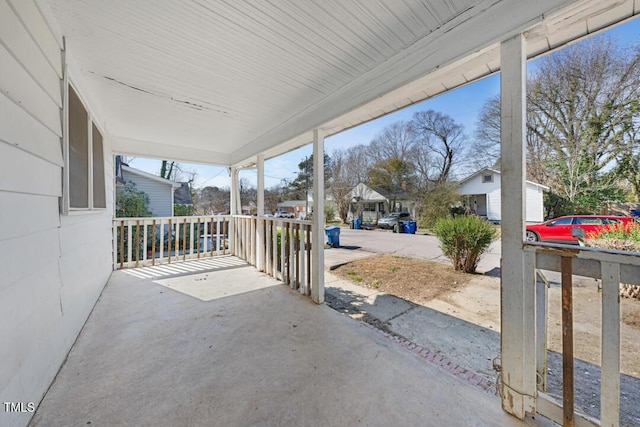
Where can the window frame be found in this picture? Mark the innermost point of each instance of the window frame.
(66, 208)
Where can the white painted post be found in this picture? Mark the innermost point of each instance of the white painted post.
(317, 239)
(260, 234)
(610, 348)
(517, 294)
(233, 206)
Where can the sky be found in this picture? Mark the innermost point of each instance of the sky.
(462, 104)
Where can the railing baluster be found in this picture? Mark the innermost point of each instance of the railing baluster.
(170, 235)
(184, 239)
(308, 259)
(542, 305)
(198, 237)
(129, 243)
(144, 241)
(122, 244)
(137, 242)
(153, 243)
(567, 342)
(610, 349)
(297, 254)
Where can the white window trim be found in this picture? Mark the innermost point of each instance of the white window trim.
(66, 188)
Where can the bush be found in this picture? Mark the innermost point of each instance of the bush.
(464, 239)
(130, 202)
(621, 237)
(436, 204)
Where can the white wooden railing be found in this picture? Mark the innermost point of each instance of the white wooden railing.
(612, 267)
(141, 242)
(279, 247)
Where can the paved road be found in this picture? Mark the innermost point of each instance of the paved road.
(412, 245)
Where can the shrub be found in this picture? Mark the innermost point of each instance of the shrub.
(437, 203)
(620, 237)
(464, 239)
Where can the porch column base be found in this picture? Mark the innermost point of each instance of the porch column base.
(516, 403)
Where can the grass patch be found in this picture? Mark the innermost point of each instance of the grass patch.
(420, 281)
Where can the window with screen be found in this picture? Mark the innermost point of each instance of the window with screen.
(99, 196)
(85, 184)
(78, 152)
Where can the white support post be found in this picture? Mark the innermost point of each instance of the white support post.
(517, 295)
(317, 239)
(234, 195)
(260, 235)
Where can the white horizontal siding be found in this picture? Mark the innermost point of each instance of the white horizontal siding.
(494, 206)
(27, 133)
(534, 204)
(40, 32)
(21, 88)
(33, 214)
(53, 267)
(160, 195)
(24, 173)
(24, 48)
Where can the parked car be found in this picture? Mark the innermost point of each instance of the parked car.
(284, 214)
(391, 221)
(558, 230)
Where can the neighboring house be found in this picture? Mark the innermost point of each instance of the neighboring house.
(297, 207)
(372, 204)
(159, 190)
(482, 194)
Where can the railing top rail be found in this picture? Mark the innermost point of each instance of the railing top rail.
(583, 252)
(166, 218)
(294, 221)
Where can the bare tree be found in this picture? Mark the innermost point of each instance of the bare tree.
(444, 141)
(581, 99)
(393, 141)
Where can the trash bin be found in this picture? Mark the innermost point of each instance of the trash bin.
(399, 227)
(409, 227)
(357, 224)
(333, 235)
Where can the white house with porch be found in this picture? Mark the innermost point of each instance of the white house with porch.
(233, 84)
(482, 194)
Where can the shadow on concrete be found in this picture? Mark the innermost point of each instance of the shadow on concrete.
(350, 248)
(587, 389)
(474, 347)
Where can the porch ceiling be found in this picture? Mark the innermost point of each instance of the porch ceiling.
(221, 81)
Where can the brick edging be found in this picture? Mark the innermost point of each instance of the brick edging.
(439, 360)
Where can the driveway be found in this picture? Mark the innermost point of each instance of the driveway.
(412, 245)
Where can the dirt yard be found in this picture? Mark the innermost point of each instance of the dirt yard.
(476, 298)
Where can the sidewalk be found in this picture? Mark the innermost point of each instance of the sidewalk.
(457, 346)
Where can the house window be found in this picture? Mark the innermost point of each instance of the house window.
(85, 159)
(487, 178)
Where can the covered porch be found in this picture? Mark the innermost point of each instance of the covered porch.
(231, 347)
(232, 84)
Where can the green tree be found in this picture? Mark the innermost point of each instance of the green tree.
(394, 176)
(131, 203)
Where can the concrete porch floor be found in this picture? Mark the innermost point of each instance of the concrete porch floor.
(233, 347)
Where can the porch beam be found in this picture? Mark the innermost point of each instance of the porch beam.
(259, 242)
(317, 238)
(517, 295)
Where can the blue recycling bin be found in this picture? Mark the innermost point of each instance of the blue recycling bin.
(409, 227)
(357, 223)
(635, 212)
(333, 235)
